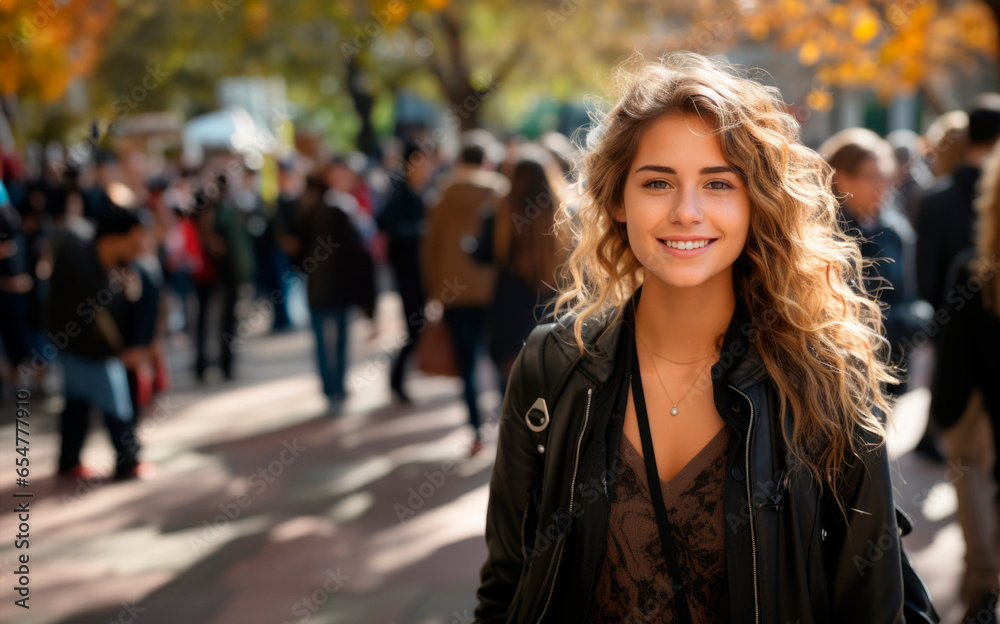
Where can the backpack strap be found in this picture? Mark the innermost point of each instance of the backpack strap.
(533, 368)
(537, 364)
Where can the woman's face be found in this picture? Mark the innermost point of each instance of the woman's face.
(686, 211)
(865, 188)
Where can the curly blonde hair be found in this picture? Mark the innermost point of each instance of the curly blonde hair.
(823, 344)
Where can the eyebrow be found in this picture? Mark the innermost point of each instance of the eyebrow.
(671, 170)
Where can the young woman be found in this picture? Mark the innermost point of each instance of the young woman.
(714, 341)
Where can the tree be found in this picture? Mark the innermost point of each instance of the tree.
(890, 46)
(51, 43)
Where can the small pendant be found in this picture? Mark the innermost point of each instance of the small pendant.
(673, 411)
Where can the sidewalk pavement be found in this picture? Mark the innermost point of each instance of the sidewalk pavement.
(266, 510)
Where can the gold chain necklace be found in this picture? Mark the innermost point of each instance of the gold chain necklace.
(673, 410)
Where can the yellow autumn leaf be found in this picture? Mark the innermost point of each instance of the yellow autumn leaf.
(809, 53)
(865, 26)
(819, 100)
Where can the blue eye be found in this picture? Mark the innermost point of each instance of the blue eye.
(656, 184)
(724, 185)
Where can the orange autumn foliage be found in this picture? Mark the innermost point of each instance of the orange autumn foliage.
(50, 43)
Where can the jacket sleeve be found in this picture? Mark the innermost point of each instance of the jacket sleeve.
(929, 278)
(514, 474)
(954, 376)
(430, 255)
(863, 552)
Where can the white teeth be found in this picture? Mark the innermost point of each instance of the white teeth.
(686, 245)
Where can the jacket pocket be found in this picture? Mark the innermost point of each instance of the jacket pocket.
(529, 523)
(541, 604)
(529, 528)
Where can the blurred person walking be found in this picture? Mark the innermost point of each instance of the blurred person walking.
(262, 224)
(291, 185)
(144, 326)
(864, 168)
(465, 287)
(339, 272)
(402, 219)
(965, 397)
(348, 190)
(947, 138)
(25, 265)
(85, 319)
(518, 240)
(226, 244)
(16, 285)
(915, 175)
(945, 216)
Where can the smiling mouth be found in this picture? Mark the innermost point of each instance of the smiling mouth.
(687, 245)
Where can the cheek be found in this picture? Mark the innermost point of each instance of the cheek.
(737, 223)
(640, 219)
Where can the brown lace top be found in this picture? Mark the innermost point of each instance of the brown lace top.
(634, 585)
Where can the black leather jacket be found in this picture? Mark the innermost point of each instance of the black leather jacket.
(791, 555)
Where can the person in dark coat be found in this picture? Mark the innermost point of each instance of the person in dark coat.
(86, 314)
(227, 245)
(945, 216)
(15, 286)
(965, 397)
(865, 167)
(402, 219)
(339, 273)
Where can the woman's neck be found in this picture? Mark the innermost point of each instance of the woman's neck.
(684, 324)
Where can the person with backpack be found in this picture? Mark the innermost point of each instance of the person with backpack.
(450, 275)
(698, 437)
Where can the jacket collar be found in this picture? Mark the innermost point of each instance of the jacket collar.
(738, 364)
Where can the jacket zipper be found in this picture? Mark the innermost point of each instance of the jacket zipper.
(753, 532)
(572, 491)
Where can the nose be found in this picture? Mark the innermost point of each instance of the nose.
(685, 209)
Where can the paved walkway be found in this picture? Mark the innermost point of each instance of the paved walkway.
(265, 510)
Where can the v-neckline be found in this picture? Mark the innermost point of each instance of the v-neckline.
(697, 460)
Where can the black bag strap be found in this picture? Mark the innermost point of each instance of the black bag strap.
(656, 494)
(535, 363)
(533, 367)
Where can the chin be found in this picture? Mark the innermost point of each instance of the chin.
(688, 277)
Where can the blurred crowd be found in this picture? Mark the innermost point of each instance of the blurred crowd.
(103, 258)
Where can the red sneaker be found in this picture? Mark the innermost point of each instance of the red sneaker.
(477, 445)
(79, 471)
(141, 471)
